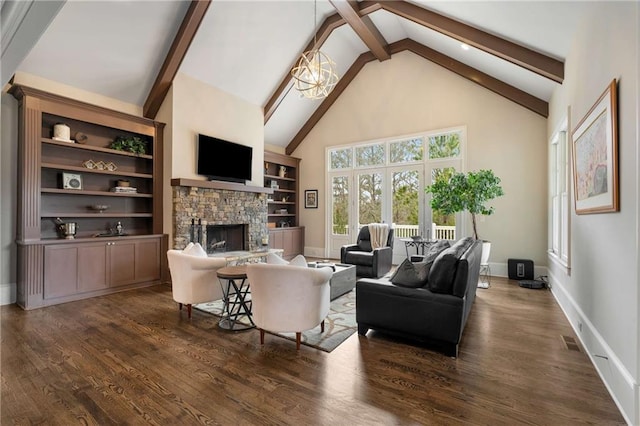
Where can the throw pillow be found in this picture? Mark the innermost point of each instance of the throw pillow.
(412, 275)
(443, 270)
(274, 259)
(299, 260)
(195, 250)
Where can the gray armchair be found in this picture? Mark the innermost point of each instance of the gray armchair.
(372, 263)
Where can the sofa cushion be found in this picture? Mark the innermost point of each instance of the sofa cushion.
(359, 258)
(412, 275)
(443, 270)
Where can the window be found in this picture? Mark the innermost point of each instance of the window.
(383, 181)
(559, 196)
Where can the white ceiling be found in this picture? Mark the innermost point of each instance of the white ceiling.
(116, 48)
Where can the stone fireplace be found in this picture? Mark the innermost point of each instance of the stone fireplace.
(238, 218)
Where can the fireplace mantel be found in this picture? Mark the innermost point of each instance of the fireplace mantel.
(212, 184)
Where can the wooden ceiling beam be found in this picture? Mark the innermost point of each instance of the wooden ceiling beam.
(499, 87)
(536, 62)
(505, 90)
(363, 27)
(331, 23)
(176, 54)
(355, 68)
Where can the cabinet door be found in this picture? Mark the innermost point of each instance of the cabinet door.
(276, 240)
(289, 251)
(92, 267)
(121, 263)
(60, 271)
(298, 241)
(147, 260)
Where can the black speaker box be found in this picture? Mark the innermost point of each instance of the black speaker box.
(520, 269)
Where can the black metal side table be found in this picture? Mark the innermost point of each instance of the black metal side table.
(237, 301)
(420, 245)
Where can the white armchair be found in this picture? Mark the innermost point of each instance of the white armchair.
(194, 277)
(287, 298)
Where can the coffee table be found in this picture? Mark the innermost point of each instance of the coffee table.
(343, 280)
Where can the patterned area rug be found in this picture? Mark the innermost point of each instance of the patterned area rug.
(339, 325)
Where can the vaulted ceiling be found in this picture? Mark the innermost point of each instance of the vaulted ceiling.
(130, 50)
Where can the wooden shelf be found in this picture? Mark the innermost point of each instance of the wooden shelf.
(95, 148)
(94, 215)
(279, 178)
(98, 193)
(213, 184)
(291, 191)
(291, 203)
(57, 270)
(103, 172)
(281, 214)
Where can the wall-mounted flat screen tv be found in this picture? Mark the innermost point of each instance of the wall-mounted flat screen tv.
(219, 159)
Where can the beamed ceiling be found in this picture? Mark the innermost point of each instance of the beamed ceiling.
(132, 50)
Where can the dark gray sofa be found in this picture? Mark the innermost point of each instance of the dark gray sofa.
(435, 317)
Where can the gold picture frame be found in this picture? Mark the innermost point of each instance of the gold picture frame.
(595, 156)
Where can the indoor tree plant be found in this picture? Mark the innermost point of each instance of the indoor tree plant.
(458, 192)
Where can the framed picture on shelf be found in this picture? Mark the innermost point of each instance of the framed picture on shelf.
(595, 156)
(311, 199)
(71, 181)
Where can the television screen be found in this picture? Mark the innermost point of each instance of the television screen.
(223, 160)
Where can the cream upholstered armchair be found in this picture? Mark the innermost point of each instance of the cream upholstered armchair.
(194, 276)
(288, 298)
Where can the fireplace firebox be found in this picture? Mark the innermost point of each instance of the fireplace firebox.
(221, 238)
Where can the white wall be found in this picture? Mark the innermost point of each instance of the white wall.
(601, 295)
(409, 94)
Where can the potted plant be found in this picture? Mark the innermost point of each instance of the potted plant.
(132, 144)
(458, 192)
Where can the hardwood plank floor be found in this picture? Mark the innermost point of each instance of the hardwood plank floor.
(132, 358)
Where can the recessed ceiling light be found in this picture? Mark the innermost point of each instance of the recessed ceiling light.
(464, 46)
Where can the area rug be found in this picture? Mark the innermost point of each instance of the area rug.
(339, 325)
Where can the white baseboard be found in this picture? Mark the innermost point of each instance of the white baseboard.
(620, 383)
(502, 270)
(7, 294)
(314, 251)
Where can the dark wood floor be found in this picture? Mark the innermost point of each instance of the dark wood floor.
(131, 358)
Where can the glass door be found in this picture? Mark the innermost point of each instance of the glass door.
(339, 233)
(442, 227)
(407, 207)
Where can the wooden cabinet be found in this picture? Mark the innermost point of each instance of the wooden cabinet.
(281, 174)
(290, 240)
(134, 261)
(74, 270)
(80, 180)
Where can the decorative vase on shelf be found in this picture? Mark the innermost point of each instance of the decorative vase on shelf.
(283, 171)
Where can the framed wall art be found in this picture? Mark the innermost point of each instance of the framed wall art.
(311, 199)
(595, 156)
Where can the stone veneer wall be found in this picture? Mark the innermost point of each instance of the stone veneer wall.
(218, 207)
